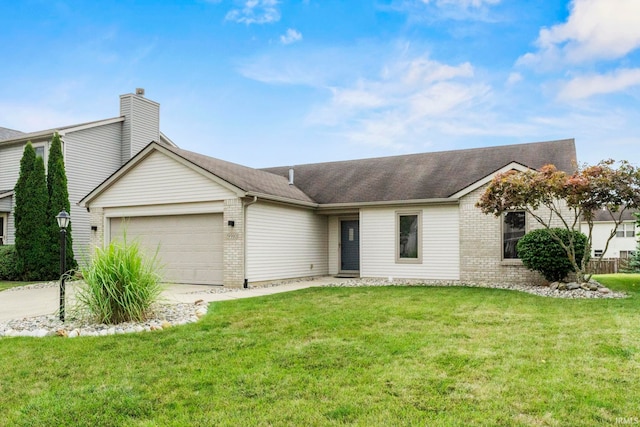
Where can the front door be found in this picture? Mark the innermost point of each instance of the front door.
(350, 246)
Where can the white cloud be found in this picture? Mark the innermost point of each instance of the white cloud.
(402, 103)
(430, 10)
(594, 30)
(291, 36)
(463, 3)
(255, 12)
(585, 86)
(514, 78)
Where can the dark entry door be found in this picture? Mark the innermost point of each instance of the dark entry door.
(350, 245)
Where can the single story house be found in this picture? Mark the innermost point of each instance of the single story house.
(409, 216)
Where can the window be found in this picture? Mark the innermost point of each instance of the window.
(626, 229)
(41, 151)
(627, 254)
(597, 253)
(513, 229)
(409, 237)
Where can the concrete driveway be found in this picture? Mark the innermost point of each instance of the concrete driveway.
(18, 303)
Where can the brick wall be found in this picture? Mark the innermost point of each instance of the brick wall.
(481, 247)
(233, 245)
(96, 238)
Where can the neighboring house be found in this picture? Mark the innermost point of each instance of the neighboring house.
(625, 241)
(92, 152)
(410, 216)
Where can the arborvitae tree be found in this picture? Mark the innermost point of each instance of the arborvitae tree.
(58, 200)
(31, 222)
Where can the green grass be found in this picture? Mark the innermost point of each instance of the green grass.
(346, 356)
(7, 285)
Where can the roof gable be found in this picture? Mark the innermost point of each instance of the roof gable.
(240, 180)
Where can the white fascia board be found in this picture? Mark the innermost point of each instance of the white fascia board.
(487, 179)
(61, 131)
(164, 138)
(84, 126)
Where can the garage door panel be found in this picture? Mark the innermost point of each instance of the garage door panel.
(189, 246)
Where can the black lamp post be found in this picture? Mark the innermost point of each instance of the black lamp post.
(63, 219)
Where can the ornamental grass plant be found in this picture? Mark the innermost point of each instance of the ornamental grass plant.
(121, 283)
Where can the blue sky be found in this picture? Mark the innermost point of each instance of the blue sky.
(269, 83)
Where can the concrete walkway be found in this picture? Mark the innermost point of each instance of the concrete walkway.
(21, 303)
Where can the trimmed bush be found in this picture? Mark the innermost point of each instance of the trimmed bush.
(8, 263)
(120, 284)
(541, 252)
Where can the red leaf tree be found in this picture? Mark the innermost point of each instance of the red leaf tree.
(558, 199)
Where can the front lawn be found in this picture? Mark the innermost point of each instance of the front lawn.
(7, 285)
(345, 356)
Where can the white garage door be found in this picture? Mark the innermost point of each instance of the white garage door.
(189, 246)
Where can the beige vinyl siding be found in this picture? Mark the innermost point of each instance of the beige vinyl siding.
(10, 165)
(10, 157)
(440, 244)
(90, 156)
(161, 180)
(6, 204)
(141, 125)
(9, 171)
(334, 245)
(284, 242)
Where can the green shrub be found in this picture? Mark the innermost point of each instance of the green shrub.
(541, 252)
(120, 284)
(8, 263)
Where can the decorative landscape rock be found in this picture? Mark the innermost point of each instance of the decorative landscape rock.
(169, 315)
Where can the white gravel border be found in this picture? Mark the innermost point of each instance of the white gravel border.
(168, 315)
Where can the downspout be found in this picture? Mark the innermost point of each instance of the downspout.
(244, 244)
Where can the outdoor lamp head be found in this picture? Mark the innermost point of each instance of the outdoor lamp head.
(63, 219)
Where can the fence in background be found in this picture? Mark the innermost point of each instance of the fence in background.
(608, 265)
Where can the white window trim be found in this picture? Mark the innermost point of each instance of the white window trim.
(626, 228)
(45, 154)
(417, 260)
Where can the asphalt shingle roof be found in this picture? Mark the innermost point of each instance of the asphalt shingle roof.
(6, 133)
(243, 177)
(604, 215)
(420, 176)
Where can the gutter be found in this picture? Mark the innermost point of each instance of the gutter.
(281, 199)
(327, 207)
(245, 205)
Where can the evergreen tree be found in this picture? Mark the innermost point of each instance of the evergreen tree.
(58, 196)
(30, 216)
